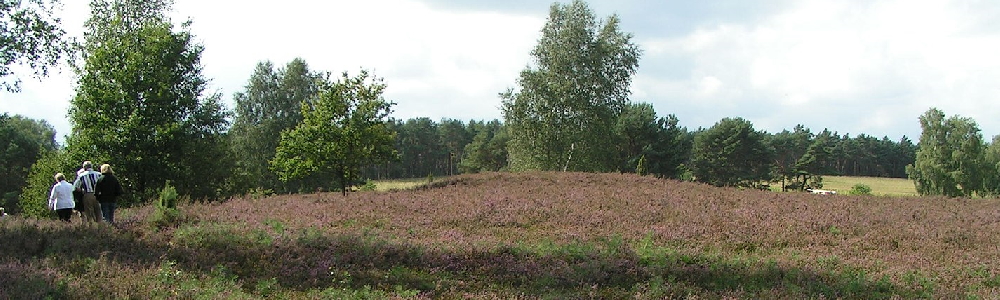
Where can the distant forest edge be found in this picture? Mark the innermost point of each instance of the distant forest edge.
(141, 105)
(450, 147)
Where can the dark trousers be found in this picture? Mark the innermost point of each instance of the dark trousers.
(108, 211)
(64, 214)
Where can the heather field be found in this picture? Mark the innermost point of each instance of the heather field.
(520, 236)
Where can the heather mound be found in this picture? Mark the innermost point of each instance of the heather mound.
(520, 235)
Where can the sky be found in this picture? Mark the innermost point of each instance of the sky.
(853, 67)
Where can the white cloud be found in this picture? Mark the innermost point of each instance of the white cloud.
(873, 68)
(436, 63)
(709, 86)
(852, 66)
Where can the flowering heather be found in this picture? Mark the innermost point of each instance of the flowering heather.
(521, 236)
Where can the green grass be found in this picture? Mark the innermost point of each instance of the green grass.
(402, 184)
(880, 186)
(398, 184)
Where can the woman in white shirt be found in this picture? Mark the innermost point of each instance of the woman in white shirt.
(61, 198)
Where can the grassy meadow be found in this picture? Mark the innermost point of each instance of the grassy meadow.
(520, 236)
(880, 186)
(401, 184)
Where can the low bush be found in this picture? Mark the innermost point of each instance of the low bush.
(860, 189)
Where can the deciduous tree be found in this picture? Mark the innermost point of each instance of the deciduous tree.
(31, 34)
(139, 102)
(991, 168)
(568, 101)
(40, 180)
(270, 103)
(950, 156)
(345, 129)
(23, 141)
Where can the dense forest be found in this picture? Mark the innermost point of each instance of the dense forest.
(449, 146)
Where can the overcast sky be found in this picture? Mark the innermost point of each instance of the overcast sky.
(869, 67)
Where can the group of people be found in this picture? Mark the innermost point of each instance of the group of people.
(92, 194)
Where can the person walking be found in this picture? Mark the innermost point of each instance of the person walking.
(107, 190)
(61, 198)
(86, 181)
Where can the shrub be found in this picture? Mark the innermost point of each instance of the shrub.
(259, 193)
(166, 213)
(165, 217)
(860, 189)
(640, 167)
(33, 198)
(168, 196)
(368, 186)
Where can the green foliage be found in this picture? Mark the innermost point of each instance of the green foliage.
(487, 152)
(166, 213)
(636, 129)
(367, 292)
(168, 196)
(815, 161)
(426, 146)
(418, 145)
(640, 167)
(164, 217)
(950, 157)
(860, 189)
(731, 153)
(658, 141)
(139, 103)
(368, 186)
(789, 147)
(991, 168)
(270, 103)
(257, 193)
(267, 288)
(453, 138)
(31, 35)
(345, 129)
(220, 237)
(685, 173)
(566, 106)
(172, 281)
(34, 197)
(22, 143)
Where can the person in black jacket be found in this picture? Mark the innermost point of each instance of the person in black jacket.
(107, 191)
